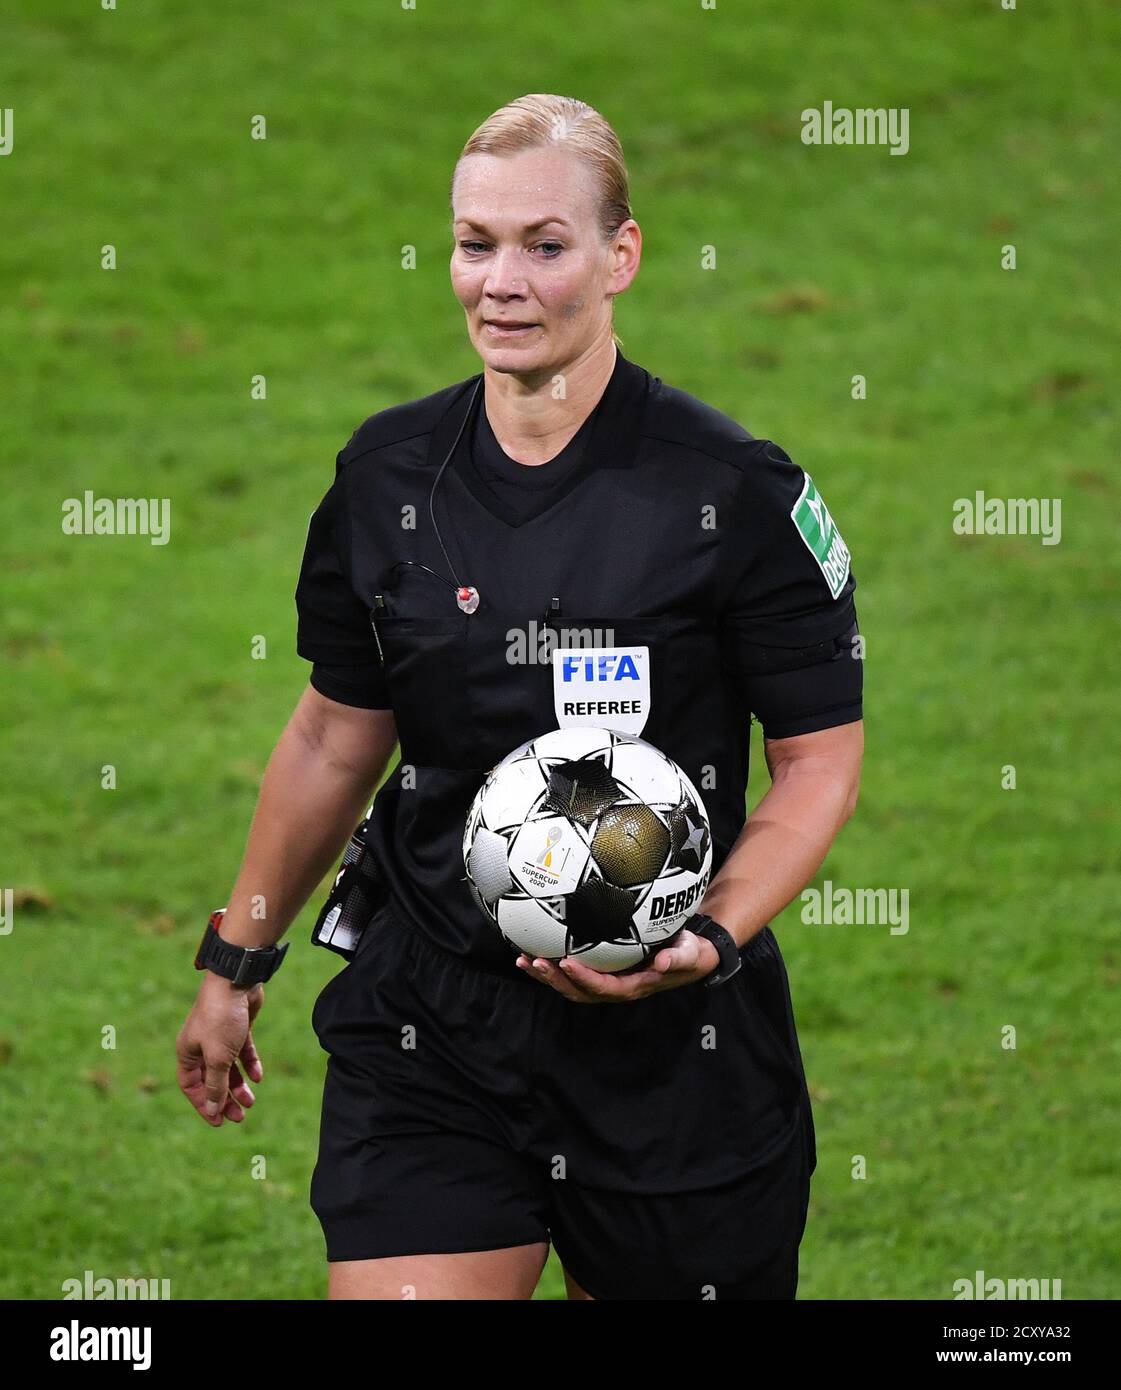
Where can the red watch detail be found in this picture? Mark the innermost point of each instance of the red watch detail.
(215, 921)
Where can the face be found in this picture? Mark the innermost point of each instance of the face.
(530, 266)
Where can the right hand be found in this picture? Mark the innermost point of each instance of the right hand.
(214, 1038)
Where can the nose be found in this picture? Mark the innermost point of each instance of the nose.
(505, 278)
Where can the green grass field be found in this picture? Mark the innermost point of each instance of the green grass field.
(282, 257)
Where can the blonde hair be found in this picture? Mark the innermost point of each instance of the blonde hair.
(541, 119)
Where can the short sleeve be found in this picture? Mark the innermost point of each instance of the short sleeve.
(333, 625)
(363, 687)
(789, 617)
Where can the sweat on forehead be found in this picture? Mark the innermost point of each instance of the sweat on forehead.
(534, 172)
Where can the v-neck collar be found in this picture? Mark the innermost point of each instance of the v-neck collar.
(517, 483)
(613, 442)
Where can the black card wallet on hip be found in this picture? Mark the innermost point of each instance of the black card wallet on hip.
(358, 892)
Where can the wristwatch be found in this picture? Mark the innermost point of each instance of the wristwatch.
(701, 925)
(244, 965)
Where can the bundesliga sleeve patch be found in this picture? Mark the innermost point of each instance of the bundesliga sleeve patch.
(816, 527)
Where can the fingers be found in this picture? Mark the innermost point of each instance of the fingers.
(672, 966)
(216, 1088)
(188, 1062)
(250, 1059)
(240, 1089)
(225, 1094)
(546, 973)
(689, 958)
(191, 1073)
(674, 958)
(596, 984)
(682, 955)
(580, 983)
(195, 1089)
(233, 1111)
(209, 1048)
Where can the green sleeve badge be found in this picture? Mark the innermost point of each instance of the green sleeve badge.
(816, 527)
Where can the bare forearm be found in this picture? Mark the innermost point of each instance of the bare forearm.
(781, 847)
(310, 801)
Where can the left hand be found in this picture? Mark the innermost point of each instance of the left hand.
(686, 959)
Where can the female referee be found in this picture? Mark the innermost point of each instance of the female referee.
(654, 1125)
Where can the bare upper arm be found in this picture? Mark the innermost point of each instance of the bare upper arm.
(835, 752)
(361, 740)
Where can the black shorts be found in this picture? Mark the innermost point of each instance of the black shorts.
(664, 1146)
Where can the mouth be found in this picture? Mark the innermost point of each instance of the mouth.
(508, 328)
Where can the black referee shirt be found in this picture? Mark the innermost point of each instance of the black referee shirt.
(518, 489)
(663, 527)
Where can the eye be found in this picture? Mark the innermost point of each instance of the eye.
(472, 247)
(552, 254)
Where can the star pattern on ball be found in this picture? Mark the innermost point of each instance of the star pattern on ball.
(586, 842)
(689, 836)
(582, 790)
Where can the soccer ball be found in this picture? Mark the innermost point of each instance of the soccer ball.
(588, 843)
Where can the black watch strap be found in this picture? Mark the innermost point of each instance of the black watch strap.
(244, 965)
(702, 925)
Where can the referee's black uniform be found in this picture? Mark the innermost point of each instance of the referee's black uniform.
(664, 1145)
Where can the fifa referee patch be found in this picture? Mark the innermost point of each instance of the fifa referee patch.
(816, 527)
(602, 687)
